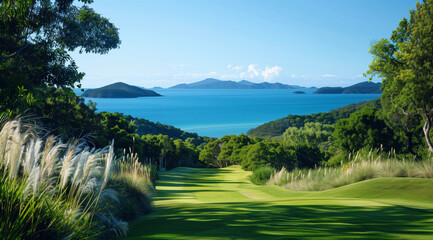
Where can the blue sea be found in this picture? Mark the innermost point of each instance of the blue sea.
(219, 112)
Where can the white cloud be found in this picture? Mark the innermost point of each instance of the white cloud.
(327, 75)
(255, 72)
(271, 72)
(236, 68)
(252, 70)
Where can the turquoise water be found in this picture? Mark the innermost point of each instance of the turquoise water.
(219, 112)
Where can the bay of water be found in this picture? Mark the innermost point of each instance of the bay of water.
(219, 112)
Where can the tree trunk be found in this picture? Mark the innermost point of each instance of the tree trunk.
(409, 136)
(426, 129)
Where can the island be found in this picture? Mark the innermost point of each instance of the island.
(119, 90)
(359, 88)
(299, 92)
(212, 83)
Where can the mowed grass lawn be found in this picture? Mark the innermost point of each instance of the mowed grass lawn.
(223, 204)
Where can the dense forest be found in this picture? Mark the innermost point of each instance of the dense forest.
(278, 127)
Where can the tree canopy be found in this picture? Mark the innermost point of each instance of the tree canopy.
(35, 39)
(405, 64)
(363, 129)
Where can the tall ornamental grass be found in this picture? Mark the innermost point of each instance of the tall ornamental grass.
(134, 183)
(55, 190)
(365, 165)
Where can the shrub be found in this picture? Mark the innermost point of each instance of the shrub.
(261, 175)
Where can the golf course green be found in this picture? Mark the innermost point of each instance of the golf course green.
(223, 204)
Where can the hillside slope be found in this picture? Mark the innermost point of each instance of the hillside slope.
(408, 190)
(145, 127)
(359, 88)
(119, 90)
(279, 126)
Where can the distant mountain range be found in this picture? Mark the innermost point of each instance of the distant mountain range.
(359, 88)
(119, 90)
(211, 83)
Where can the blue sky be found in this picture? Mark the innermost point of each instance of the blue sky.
(309, 43)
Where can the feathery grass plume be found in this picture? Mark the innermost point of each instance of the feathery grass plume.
(364, 165)
(67, 166)
(81, 159)
(134, 183)
(49, 161)
(31, 155)
(4, 135)
(32, 184)
(109, 163)
(52, 190)
(424, 169)
(14, 147)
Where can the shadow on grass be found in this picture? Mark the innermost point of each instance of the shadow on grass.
(266, 220)
(288, 219)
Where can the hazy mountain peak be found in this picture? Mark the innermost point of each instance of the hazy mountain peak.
(212, 83)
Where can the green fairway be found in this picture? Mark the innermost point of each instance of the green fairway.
(223, 204)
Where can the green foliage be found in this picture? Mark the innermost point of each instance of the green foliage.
(67, 115)
(35, 39)
(250, 153)
(258, 155)
(145, 127)
(363, 129)
(186, 154)
(311, 134)
(308, 156)
(209, 155)
(363, 88)
(278, 127)
(64, 114)
(164, 152)
(232, 146)
(261, 175)
(405, 65)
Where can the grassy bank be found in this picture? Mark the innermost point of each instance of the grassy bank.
(365, 165)
(223, 204)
